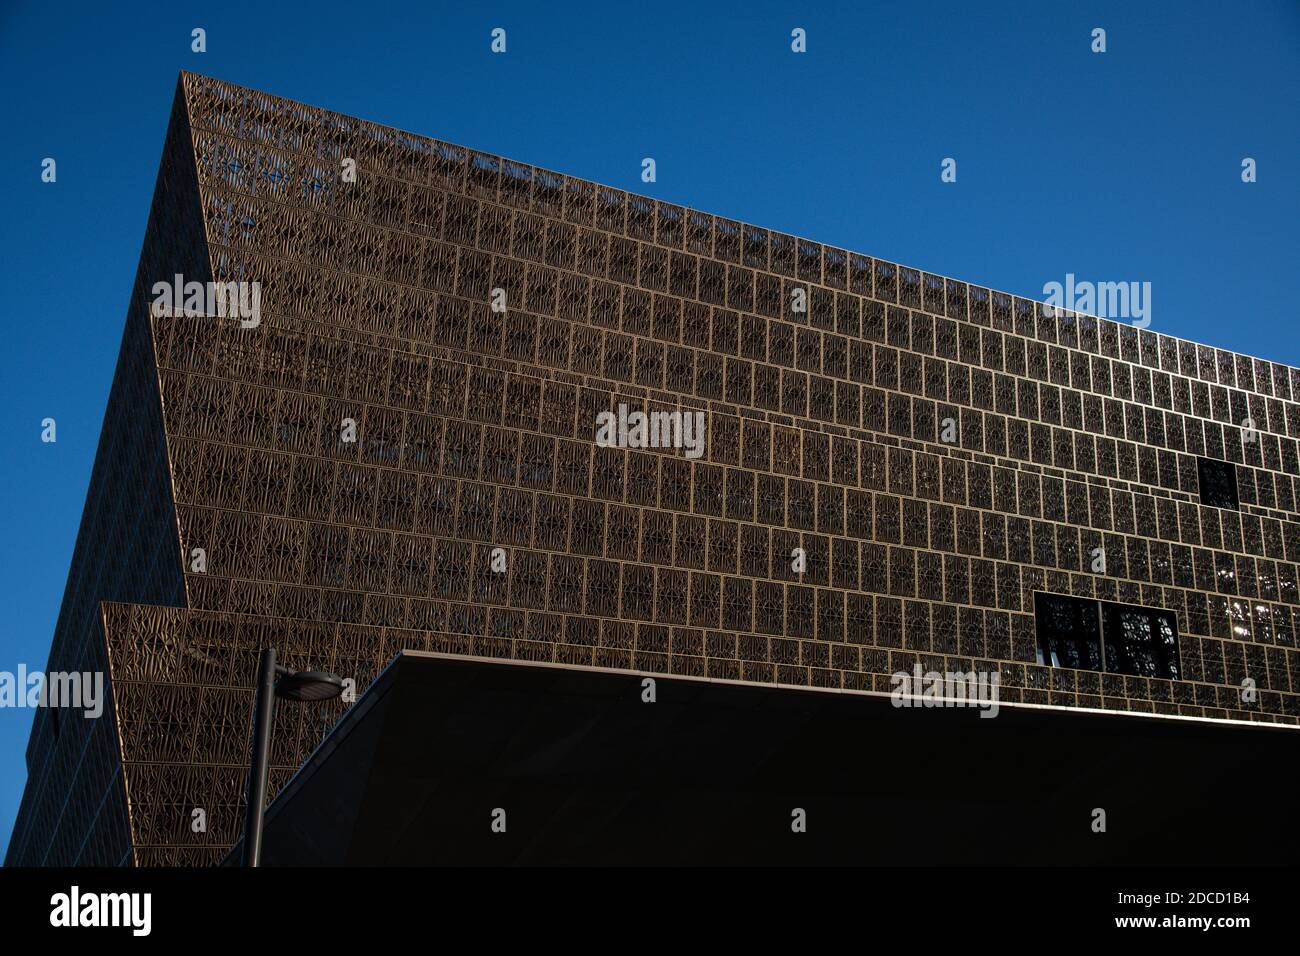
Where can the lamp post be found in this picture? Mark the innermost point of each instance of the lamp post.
(306, 686)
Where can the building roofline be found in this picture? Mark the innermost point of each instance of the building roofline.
(1123, 327)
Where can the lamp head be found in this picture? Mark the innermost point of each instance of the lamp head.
(309, 686)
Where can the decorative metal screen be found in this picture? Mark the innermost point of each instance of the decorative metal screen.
(887, 478)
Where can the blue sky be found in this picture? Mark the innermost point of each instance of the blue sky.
(1122, 166)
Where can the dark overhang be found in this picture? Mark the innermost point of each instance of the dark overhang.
(587, 771)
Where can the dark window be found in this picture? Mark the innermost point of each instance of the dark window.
(1103, 636)
(1218, 481)
(1140, 641)
(1067, 632)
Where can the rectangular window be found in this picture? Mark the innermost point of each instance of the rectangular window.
(1218, 482)
(1140, 641)
(1103, 636)
(1067, 632)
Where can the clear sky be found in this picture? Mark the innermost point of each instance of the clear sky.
(1115, 166)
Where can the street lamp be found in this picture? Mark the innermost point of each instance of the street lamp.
(308, 686)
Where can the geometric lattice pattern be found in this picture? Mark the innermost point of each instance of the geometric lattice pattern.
(476, 430)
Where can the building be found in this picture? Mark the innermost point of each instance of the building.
(451, 759)
(399, 451)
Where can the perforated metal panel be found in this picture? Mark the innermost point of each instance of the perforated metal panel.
(938, 453)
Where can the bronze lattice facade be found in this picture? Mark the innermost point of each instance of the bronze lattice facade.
(475, 429)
